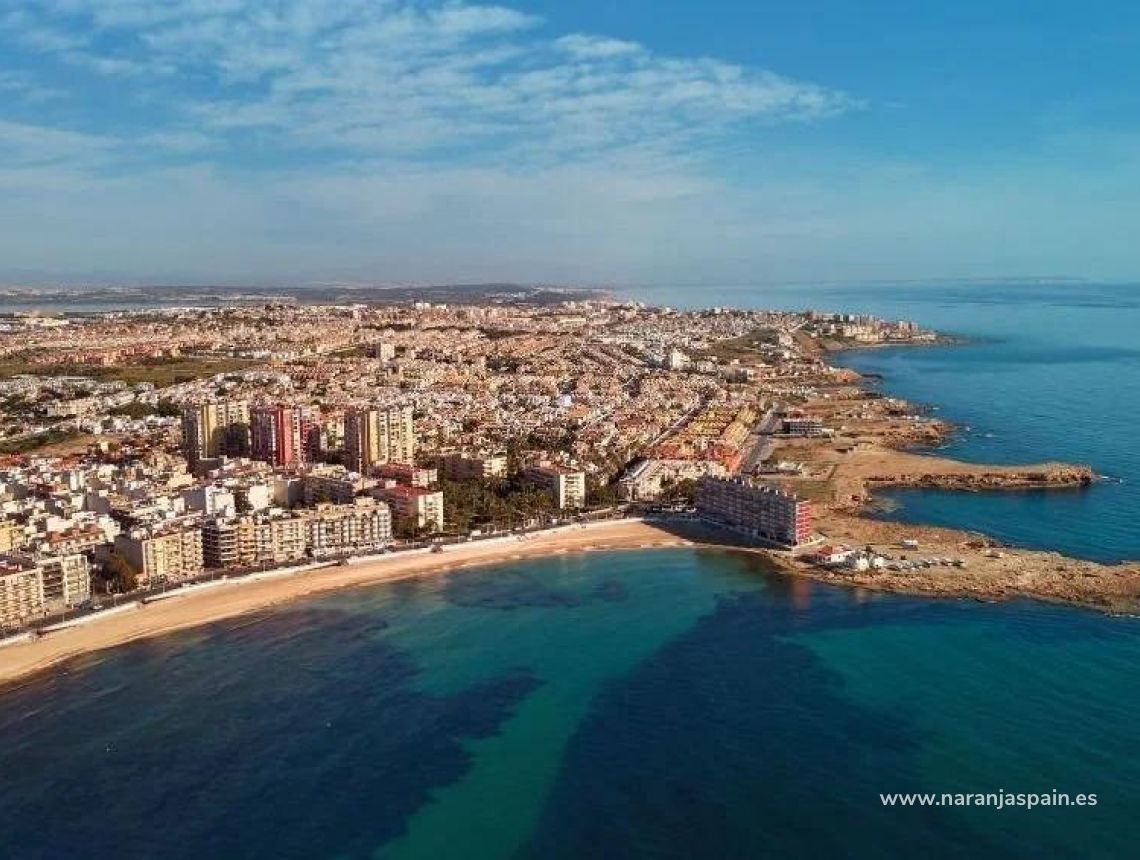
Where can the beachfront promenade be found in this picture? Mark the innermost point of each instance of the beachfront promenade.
(209, 601)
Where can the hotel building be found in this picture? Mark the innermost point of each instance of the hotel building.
(758, 510)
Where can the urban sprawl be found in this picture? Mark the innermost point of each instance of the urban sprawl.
(149, 449)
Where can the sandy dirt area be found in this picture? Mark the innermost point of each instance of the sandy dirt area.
(990, 572)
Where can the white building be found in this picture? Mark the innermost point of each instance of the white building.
(567, 485)
(423, 508)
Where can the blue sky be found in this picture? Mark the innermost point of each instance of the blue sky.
(596, 142)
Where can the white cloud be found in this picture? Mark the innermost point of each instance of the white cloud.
(22, 144)
(317, 138)
(24, 87)
(399, 77)
(587, 47)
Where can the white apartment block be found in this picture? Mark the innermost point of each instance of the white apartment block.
(333, 529)
(567, 485)
(423, 508)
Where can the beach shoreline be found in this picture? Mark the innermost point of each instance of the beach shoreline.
(991, 576)
(221, 599)
(884, 451)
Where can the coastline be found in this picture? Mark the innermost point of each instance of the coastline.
(990, 577)
(898, 448)
(992, 572)
(225, 599)
(877, 448)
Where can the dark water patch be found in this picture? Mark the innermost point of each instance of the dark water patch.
(611, 590)
(317, 742)
(734, 742)
(720, 711)
(507, 589)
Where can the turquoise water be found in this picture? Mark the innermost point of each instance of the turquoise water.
(1052, 373)
(669, 703)
(660, 703)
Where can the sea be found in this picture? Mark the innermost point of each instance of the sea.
(672, 703)
(656, 703)
(1044, 371)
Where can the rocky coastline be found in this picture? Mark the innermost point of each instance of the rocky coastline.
(894, 446)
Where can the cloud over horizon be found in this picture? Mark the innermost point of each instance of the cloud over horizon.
(395, 140)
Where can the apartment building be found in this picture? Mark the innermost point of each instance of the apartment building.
(803, 425)
(422, 508)
(30, 587)
(210, 499)
(567, 485)
(755, 509)
(405, 473)
(78, 539)
(21, 591)
(11, 536)
(250, 540)
(171, 552)
(66, 579)
(277, 434)
(469, 467)
(334, 485)
(377, 435)
(650, 478)
(385, 351)
(210, 430)
(289, 538)
(335, 529)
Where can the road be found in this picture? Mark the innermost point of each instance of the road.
(675, 426)
(760, 443)
(110, 601)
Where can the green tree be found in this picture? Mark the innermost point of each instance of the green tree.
(680, 492)
(120, 573)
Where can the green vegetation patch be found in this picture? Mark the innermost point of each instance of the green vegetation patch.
(161, 372)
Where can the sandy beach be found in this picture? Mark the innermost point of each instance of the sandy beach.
(239, 596)
(990, 575)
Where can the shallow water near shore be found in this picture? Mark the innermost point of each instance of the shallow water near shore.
(661, 703)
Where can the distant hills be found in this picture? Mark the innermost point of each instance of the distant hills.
(159, 295)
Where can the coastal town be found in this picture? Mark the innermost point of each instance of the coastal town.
(149, 451)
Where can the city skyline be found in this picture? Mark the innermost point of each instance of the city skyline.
(369, 142)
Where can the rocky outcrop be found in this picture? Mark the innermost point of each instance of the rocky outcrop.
(982, 479)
